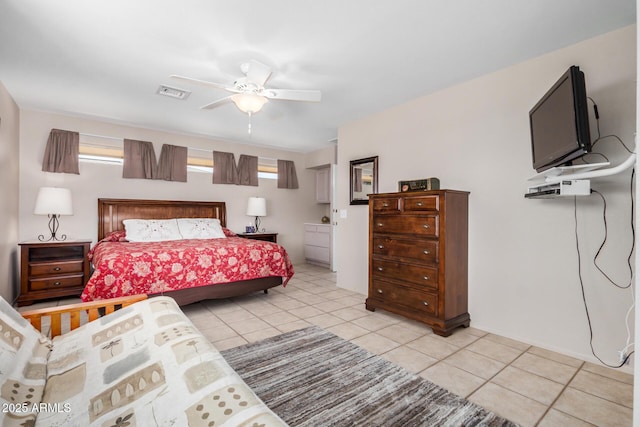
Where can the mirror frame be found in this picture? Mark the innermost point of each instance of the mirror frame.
(352, 167)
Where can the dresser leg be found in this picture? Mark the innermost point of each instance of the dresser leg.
(446, 329)
(369, 307)
(442, 332)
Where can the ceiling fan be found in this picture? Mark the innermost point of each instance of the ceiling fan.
(249, 93)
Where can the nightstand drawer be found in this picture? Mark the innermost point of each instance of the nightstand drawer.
(59, 267)
(50, 253)
(69, 281)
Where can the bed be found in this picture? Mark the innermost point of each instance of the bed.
(187, 270)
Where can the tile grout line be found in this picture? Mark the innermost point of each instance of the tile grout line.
(497, 373)
(604, 377)
(564, 388)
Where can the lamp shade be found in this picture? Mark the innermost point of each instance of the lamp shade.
(257, 206)
(248, 103)
(53, 201)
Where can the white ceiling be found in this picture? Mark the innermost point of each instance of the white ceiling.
(106, 59)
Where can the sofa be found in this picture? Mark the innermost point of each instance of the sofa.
(143, 365)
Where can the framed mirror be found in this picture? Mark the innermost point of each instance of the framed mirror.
(363, 180)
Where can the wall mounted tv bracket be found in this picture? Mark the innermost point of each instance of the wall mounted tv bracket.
(573, 180)
(597, 173)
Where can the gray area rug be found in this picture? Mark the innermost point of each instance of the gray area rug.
(311, 377)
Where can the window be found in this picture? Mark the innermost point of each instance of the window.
(108, 150)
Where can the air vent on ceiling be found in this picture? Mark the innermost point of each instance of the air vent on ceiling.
(173, 92)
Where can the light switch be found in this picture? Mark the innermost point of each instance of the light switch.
(343, 213)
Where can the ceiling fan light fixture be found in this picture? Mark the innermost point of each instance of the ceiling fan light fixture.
(248, 102)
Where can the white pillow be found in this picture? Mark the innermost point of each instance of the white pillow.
(151, 230)
(200, 228)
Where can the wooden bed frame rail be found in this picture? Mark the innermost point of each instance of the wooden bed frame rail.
(93, 310)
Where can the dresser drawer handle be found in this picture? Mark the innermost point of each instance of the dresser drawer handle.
(425, 226)
(380, 246)
(385, 205)
(425, 277)
(57, 283)
(425, 303)
(380, 269)
(379, 291)
(419, 204)
(57, 268)
(380, 224)
(426, 252)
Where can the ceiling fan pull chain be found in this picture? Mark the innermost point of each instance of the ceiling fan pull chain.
(249, 127)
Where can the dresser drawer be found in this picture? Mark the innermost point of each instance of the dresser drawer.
(421, 203)
(422, 250)
(318, 228)
(68, 281)
(422, 276)
(386, 204)
(316, 253)
(407, 224)
(51, 268)
(416, 299)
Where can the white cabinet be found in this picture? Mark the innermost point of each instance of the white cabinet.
(317, 243)
(323, 185)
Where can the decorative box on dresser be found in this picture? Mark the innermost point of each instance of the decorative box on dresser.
(418, 244)
(52, 269)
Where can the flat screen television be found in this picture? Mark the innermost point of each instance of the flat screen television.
(559, 123)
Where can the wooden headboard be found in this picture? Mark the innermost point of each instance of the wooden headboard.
(111, 212)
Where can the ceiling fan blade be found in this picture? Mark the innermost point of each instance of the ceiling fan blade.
(258, 73)
(293, 95)
(202, 82)
(216, 103)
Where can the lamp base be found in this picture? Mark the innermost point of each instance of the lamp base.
(53, 228)
(258, 225)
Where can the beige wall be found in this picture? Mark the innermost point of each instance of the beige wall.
(323, 157)
(9, 139)
(523, 280)
(287, 209)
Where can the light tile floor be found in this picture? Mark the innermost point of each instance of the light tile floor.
(529, 385)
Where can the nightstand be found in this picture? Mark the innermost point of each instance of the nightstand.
(52, 270)
(269, 237)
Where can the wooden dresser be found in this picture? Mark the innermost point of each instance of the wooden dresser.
(418, 256)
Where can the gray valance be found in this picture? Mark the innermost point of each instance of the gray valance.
(224, 168)
(172, 165)
(61, 153)
(139, 160)
(287, 177)
(248, 170)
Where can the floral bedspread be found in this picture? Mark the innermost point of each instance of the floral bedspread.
(128, 268)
